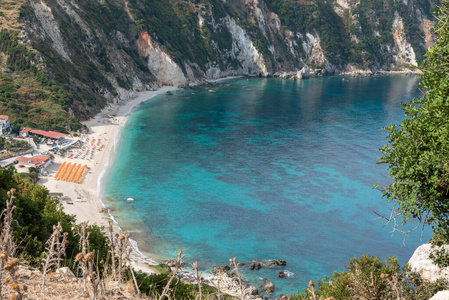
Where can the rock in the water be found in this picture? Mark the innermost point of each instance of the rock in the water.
(268, 286)
(221, 269)
(441, 295)
(421, 263)
(276, 262)
(253, 290)
(304, 73)
(255, 265)
(282, 274)
(240, 264)
(171, 263)
(282, 297)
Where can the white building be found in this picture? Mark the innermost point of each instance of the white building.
(4, 123)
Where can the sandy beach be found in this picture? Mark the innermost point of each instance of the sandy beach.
(103, 132)
(85, 198)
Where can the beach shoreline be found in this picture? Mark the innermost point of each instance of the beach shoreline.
(84, 200)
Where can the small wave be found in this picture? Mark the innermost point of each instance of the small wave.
(288, 273)
(113, 219)
(100, 177)
(135, 246)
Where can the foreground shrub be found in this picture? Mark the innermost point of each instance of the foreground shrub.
(370, 278)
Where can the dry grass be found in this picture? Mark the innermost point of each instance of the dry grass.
(61, 286)
(9, 14)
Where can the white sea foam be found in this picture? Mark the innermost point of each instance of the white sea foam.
(135, 246)
(288, 273)
(100, 177)
(113, 219)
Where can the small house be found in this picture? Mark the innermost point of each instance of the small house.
(25, 132)
(4, 123)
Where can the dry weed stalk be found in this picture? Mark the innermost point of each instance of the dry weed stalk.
(136, 285)
(239, 276)
(219, 295)
(18, 292)
(199, 280)
(11, 268)
(394, 284)
(7, 245)
(82, 258)
(121, 244)
(7, 241)
(178, 262)
(120, 250)
(311, 289)
(112, 250)
(55, 251)
(85, 261)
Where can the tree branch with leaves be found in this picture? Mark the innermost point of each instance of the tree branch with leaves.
(417, 154)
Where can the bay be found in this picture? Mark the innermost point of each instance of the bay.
(262, 169)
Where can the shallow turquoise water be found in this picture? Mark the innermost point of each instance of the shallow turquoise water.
(262, 169)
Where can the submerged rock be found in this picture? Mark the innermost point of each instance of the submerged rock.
(268, 286)
(276, 262)
(252, 290)
(255, 265)
(282, 274)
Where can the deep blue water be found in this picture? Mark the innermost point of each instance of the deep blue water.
(262, 169)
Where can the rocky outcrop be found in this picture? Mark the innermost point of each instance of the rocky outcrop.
(441, 295)
(255, 265)
(268, 287)
(160, 63)
(404, 51)
(228, 282)
(421, 263)
(276, 262)
(130, 49)
(50, 27)
(313, 50)
(282, 274)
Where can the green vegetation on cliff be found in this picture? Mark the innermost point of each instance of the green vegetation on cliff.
(27, 95)
(368, 277)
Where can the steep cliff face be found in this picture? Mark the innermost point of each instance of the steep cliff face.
(404, 51)
(105, 50)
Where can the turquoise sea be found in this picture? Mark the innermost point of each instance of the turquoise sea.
(262, 169)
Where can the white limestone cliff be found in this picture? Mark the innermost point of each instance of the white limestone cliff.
(50, 26)
(160, 63)
(404, 51)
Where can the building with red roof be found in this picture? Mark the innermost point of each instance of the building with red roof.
(38, 161)
(47, 134)
(25, 132)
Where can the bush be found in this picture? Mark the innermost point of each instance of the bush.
(370, 278)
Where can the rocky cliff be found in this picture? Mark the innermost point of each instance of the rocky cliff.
(105, 50)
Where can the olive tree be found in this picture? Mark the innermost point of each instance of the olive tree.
(417, 153)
